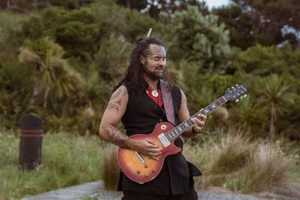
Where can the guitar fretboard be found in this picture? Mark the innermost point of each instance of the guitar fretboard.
(178, 130)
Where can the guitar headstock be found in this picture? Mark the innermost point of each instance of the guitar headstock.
(235, 93)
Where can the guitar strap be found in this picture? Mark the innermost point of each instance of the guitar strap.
(168, 101)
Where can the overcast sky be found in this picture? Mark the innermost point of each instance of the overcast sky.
(216, 3)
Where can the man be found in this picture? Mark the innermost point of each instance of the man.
(137, 101)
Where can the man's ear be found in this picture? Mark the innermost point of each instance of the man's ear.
(142, 59)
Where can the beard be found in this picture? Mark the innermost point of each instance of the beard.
(152, 75)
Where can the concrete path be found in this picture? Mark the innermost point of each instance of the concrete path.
(70, 193)
(95, 191)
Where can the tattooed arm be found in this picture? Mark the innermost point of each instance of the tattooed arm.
(114, 111)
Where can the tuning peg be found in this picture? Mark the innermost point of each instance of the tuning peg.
(245, 95)
(237, 100)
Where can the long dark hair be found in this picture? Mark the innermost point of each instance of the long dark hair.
(133, 77)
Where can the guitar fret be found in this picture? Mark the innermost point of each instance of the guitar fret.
(180, 128)
(183, 127)
(213, 106)
(169, 136)
(176, 131)
(206, 111)
(186, 125)
(189, 122)
(173, 134)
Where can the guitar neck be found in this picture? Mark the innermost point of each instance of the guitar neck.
(178, 130)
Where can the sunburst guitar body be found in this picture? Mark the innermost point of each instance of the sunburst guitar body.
(140, 168)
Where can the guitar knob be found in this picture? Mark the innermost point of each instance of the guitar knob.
(138, 171)
(146, 165)
(153, 170)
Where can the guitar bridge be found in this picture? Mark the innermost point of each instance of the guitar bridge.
(164, 140)
(140, 157)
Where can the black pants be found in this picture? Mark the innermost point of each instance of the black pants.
(192, 195)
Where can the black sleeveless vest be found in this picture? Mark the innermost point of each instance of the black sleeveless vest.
(141, 116)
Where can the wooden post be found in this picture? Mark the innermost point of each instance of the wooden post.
(30, 142)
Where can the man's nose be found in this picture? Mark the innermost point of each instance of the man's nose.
(162, 62)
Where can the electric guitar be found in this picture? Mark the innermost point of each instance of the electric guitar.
(142, 169)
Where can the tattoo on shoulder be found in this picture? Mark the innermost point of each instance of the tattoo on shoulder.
(113, 106)
(117, 95)
(116, 137)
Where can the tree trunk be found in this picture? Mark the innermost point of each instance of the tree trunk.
(36, 89)
(128, 3)
(46, 97)
(65, 106)
(272, 123)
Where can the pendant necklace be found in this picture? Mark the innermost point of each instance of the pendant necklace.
(154, 93)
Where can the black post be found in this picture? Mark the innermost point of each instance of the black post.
(30, 142)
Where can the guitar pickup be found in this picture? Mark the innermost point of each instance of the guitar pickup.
(164, 140)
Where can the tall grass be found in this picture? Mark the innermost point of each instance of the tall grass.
(238, 164)
(111, 169)
(234, 163)
(67, 159)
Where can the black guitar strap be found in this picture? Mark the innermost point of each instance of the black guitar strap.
(167, 101)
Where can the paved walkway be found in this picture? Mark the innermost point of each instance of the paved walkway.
(95, 191)
(71, 193)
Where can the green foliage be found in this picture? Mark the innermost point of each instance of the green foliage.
(129, 23)
(243, 32)
(259, 60)
(52, 72)
(67, 159)
(9, 24)
(275, 98)
(70, 4)
(249, 115)
(76, 31)
(112, 57)
(200, 38)
(277, 19)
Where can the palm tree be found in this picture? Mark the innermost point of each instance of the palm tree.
(274, 97)
(52, 71)
(248, 115)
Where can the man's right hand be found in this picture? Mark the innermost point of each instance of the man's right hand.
(145, 147)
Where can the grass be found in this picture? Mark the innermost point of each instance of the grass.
(67, 159)
(238, 164)
(229, 162)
